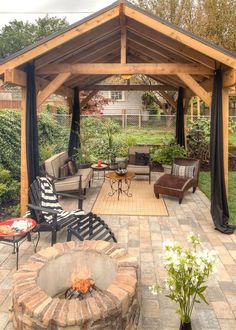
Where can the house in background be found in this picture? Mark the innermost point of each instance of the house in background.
(131, 101)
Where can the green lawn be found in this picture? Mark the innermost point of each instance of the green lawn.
(204, 185)
(158, 135)
(148, 135)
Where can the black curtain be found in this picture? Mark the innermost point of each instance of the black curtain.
(219, 205)
(32, 148)
(74, 142)
(179, 133)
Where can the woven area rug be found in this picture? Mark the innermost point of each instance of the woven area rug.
(142, 202)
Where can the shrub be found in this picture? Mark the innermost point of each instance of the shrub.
(166, 153)
(198, 140)
(9, 188)
(10, 141)
(51, 135)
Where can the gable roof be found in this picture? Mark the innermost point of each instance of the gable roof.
(97, 38)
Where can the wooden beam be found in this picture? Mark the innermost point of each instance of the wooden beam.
(168, 98)
(131, 88)
(41, 83)
(15, 77)
(87, 98)
(196, 88)
(118, 68)
(181, 37)
(87, 39)
(23, 165)
(229, 78)
(169, 44)
(60, 39)
(52, 87)
(123, 37)
(225, 112)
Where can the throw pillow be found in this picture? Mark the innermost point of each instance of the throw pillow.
(72, 167)
(141, 158)
(63, 171)
(180, 170)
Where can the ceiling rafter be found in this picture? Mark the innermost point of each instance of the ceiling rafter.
(86, 39)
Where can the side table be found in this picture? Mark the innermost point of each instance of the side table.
(120, 184)
(101, 168)
(14, 232)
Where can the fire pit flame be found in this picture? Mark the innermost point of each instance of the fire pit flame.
(81, 285)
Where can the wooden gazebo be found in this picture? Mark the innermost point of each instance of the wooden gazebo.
(120, 39)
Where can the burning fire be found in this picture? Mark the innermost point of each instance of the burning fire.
(82, 285)
(81, 280)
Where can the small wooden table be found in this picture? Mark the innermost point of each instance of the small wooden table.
(101, 168)
(11, 234)
(120, 183)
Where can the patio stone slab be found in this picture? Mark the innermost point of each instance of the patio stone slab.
(143, 237)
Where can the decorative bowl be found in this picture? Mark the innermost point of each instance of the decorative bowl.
(121, 171)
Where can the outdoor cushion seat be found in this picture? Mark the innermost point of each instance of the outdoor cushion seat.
(137, 167)
(175, 185)
(70, 183)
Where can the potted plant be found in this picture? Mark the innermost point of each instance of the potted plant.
(187, 272)
(166, 153)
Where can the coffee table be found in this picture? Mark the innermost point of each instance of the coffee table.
(120, 184)
(15, 231)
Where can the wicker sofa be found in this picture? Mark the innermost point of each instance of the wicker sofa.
(78, 182)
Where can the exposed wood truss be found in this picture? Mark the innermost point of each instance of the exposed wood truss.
(118, 68)
(60, 39)
(131, 88)
(169, 99)
(196, 88)
(52, 87)
(181, 37)
(15, 77)
(87, 98)
(123, 37)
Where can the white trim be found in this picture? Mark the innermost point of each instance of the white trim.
(117, 100)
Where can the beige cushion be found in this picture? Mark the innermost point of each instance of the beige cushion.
(71, 183)
(138, 169)
(53, 164)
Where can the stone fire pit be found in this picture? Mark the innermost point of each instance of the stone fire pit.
(38, 284)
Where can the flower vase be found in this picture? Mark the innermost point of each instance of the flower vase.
(185, 326)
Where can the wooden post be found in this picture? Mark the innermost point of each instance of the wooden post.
(24, 172)
(125, 112)
(186, 104)
(139, 119)
(225, 115)
(198, 108)
(191, 110)
(123, 118)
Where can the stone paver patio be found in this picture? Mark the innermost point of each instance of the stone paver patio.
(143, 236)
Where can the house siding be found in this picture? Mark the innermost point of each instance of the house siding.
(132, 103)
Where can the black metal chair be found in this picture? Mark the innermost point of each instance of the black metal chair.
(90, 227)
(50, 216)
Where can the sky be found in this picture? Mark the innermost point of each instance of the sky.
(29, 10)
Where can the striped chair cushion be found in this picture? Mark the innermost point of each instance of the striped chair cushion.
(49, 200)
(186, 171)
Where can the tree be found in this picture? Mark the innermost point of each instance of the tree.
(17, 34)
(214, 20)
(95, 104)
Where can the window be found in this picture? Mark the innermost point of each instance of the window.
(117, 95)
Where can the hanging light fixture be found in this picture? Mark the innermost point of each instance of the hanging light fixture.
(126, 76)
